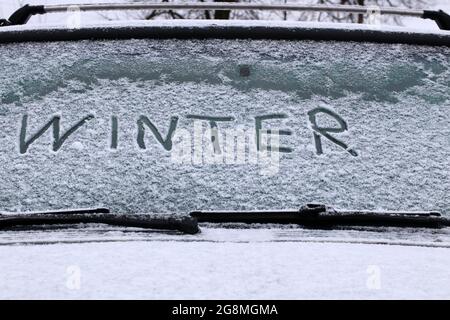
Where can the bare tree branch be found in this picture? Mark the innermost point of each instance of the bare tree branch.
(280, 15)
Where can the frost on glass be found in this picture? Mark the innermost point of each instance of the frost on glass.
(125, 99)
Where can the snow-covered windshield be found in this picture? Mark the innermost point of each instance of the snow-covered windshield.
(170, 125)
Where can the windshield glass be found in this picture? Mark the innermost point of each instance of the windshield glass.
(171, 125)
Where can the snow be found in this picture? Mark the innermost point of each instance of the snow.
(95, 24)
(242, 262)
(223, 270)
(242, 233)
(394, 98)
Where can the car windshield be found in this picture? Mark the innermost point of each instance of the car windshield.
(180, 125)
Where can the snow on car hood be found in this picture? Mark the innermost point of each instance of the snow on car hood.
(224, 270)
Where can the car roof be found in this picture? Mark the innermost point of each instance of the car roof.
(225, 29)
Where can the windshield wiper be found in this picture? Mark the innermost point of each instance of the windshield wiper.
(323, 217)
(316, 216)
(184, 224)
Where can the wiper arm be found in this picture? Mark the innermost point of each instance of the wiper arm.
(184, 224)
(323, 217)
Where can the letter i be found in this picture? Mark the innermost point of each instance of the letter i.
(114, 132)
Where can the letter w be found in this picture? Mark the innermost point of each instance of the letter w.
(58, 140)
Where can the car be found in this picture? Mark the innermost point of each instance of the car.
(188, 159)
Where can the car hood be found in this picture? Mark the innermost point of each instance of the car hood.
(223, 263)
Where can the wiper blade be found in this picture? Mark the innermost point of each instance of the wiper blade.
(323, 217)
(184, 224)
(316, 216)
(49, 212)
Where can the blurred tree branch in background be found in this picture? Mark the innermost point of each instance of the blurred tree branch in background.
(279, 15)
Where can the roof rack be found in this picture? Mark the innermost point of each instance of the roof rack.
(22, 15)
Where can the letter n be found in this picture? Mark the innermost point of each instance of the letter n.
(166, 143)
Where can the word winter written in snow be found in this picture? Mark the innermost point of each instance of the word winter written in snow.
(261, 135)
